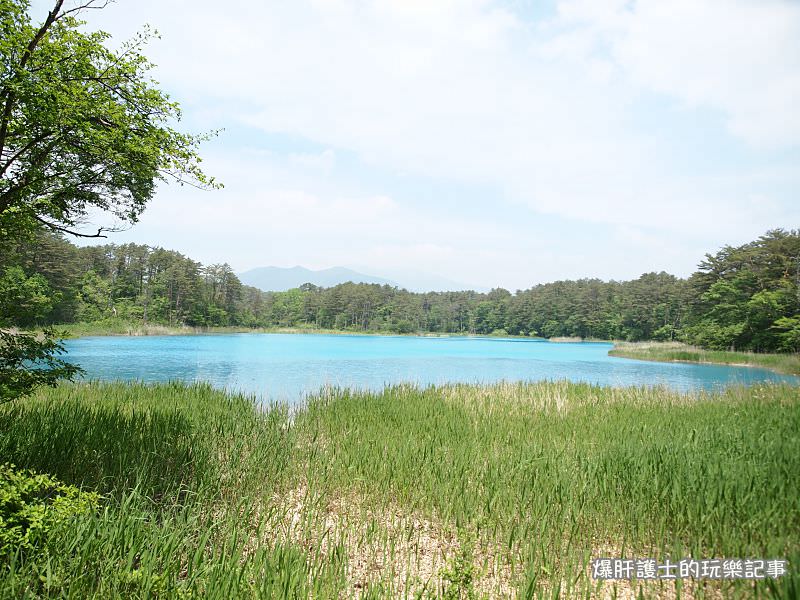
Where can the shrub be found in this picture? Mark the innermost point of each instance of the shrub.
(403, 326)
(33, 504)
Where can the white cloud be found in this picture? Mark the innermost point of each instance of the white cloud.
(324, 161)
(468, 91)
(741, 57)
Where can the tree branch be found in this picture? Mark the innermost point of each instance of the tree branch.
(182, 181)
(88, 6)
(52, 16)
(40, 138)
(100, 230)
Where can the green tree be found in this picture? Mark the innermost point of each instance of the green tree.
(745, 297)
(24, 300)
(789, 333)
(82, 128)
(27, 360)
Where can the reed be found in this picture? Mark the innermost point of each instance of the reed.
(455, 491)
(788, 363)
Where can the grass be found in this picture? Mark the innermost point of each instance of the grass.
(137, 328)
(677, 352)
(454, 492)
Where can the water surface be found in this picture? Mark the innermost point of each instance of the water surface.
(288, 366)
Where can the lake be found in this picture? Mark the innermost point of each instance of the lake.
(285, 367)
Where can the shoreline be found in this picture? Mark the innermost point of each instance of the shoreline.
(78, 330)
(667, 352)
(674, 352)
(121, 329)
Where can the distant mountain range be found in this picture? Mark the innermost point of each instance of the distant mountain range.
(280, 279)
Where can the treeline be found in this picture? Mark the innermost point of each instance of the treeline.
(48, 280)
(745, 298)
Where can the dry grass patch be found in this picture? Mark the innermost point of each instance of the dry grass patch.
(403, 553)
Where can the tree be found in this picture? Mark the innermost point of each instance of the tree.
(24, 300)
(746, 297)
(82, 128)
(28, 361)
(789, 328)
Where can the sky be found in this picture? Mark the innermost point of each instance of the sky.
(489, 143)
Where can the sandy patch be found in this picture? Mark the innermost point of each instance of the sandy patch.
(406, 553)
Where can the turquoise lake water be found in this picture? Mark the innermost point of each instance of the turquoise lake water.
(285, 367)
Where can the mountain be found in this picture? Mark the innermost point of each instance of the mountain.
(279, 279)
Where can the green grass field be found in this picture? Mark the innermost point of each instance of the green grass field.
(678, 352)
(453, 492)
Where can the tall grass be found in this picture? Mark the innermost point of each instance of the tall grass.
(179, 467)
(678, 352)
(117, 326)
(455, 491)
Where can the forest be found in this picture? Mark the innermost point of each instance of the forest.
(743, 298)
(188, 482)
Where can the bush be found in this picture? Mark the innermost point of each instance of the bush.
(667, 333)
(32, 505)
(403, 326)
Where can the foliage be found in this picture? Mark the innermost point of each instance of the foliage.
(30, 360)
(210, 495)
(738, 298)
(182, 469)
(32, 505)
(789, 328)
(81, 126)
(24, 300)
(748, 297)
(151, 285)
(459, 574)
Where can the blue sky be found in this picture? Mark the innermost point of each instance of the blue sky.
(491, 143)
